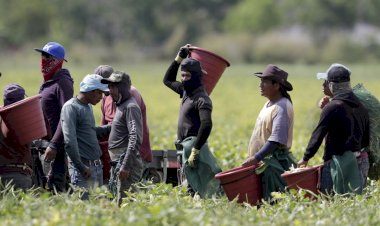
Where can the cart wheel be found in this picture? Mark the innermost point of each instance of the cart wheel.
(155, 176)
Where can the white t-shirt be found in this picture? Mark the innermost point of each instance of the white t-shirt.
(274, 123)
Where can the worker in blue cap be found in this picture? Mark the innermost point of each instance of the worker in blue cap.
(56, 89)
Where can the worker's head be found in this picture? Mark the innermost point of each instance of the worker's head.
(13, 93)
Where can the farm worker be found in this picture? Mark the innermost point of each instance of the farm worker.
(194, 123)
(272, 135)
(15, 159)
(345, 123)
(81, 135)
(362, 156)
(108, 108)
(56, 89)
(126, 136)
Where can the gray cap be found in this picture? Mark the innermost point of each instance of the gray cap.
(117, 77)
(336, 73)
(104, 70)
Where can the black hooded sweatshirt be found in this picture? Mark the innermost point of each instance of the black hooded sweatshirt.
(195, 112)
(345, 124)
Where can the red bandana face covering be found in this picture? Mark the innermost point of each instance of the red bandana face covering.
(49, 66)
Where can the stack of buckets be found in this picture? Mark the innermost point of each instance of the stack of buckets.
(213, 64)
(24, 120)
(241, 183)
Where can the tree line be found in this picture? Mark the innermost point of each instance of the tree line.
(153, 26)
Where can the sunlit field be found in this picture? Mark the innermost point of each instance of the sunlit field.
(237, 102)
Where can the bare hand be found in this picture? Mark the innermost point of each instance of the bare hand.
(87, 172)
(50, 154)
(123, 174)
(302, 163)
(325, 100)
(250, 161)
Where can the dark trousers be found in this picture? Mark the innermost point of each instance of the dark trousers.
(58, 176)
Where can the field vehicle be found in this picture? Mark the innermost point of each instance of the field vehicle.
(164, 167)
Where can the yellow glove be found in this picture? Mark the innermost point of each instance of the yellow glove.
(193, 158)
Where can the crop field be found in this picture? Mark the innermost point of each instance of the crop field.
(237, 102)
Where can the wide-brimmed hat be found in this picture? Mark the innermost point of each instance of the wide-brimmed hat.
(54, 49)
(335, 73)
(277, 74)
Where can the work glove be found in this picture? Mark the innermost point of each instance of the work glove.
(193, 158)
(182, 53)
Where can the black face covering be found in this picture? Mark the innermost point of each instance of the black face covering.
(193, 83)
(193, 66)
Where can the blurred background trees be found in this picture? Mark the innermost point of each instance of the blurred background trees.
(304, 31)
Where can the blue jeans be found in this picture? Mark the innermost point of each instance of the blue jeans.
(95, 180)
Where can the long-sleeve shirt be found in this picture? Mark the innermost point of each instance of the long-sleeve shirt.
(345, 124)
(54, 93)
(195, 112)
(127, 130)
(80, 133)
(108, 113)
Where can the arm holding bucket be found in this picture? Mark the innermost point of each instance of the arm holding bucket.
(268, 148)
(182, 53)
(170, 78)
(171, 74)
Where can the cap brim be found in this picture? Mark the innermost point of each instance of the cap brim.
(258, 74)
(105, 90)
(42, 51)
(322, 76)
(107, 81)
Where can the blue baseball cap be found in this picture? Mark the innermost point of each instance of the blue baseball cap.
(92, 82)
(54, 49)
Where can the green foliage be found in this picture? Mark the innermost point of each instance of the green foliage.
(237, 102)
(254, 16)
(19, 19)
(161, 204)
(132, 30)
(322, 14)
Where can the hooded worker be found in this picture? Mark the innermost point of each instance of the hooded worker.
(15, 159)
(126, 136)
(57, 88)
(344, 121)
(194, 123)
